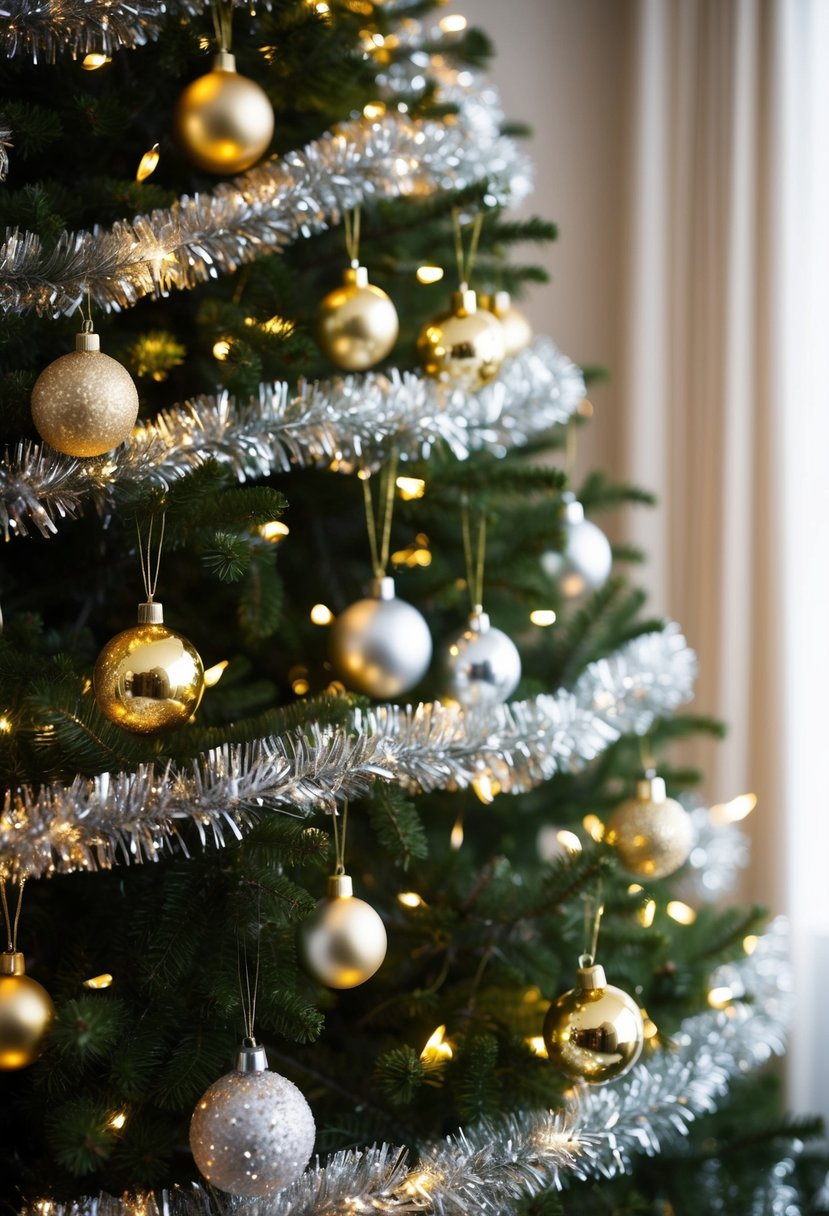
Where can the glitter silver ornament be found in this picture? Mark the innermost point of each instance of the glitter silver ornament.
(343, 941)
(252, 1132)
(482, 665)
(652, 834)
(381, 645)
(85, 403)
(585, 562)
(595, 1031)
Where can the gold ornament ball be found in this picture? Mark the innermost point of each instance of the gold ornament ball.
(516, 328)
(26, 1014)
(148, 678)
(652, 834)
(464, 346)
(224, 121)
(85, 403)
(343, 942)
(357, 324)
(594, 1032)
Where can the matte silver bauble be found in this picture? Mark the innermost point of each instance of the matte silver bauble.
(252, 1132)
(381, 645)
(652, 834)
(343, 941)
(482, 665)
(357, 324)
(585, 562)
(594, 1032)
(463, 346)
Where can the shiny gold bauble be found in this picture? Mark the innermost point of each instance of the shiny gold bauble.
(464, 346)
(26, 1014)
(594, 1032)
(517, 329)
(85, 403)
(148, 678)
(343, 941)
(357, 324)
(652, 834)
(224, 121)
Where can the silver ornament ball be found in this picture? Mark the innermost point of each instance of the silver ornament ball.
(585, 563)
(252, 1132)
(482, 665)
(343, 942)
(381, 645)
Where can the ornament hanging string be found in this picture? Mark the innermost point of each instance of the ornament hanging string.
(11, 928)
(248, 992)
(466, 260)
(474, 555)
(379, 529)
(150, 577)
(351, 226)
(222, 14)
(593, 912)
(647, 756)
(339, 840)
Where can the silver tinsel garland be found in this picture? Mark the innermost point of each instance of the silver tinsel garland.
(349, 421)
(5, 144)
(131, 817)
(491, 1168)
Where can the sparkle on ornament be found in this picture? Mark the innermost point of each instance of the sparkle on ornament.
(321, 614)
(543, 617)
(411, 899)
(213, 674)
(147, 164)
(99, 981)
(453, 23)
(569, 841)
(437, 1048)
(647, 913)
(274, 531)
(411, 487)
(91, 62)
(735, 810)
(429, 274)
(682, 913)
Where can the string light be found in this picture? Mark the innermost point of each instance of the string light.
(274, 531)
(117, 1121)
(543, 617)
(213, 674)
(417, 554)
(647, 913)
(719, 998)
(456, 835)
(411, 899)
(452, 23)
(682, 913)
(221, 349)
(410, 487)
(486, 787)
(374, 109)
(147, 164)
(321, 614)
(429, 273)
(568, 841)
(99, 981)
(280, 326)
(537, 1046)
(437, 1048)
(594, 827)
(93, 61)
(5, 725)
(735, 810)
(750, 943)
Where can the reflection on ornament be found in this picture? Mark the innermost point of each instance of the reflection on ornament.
(482, 665)
(148, 678)
(585, 562)
(224, 121)
(85, 403)
(516, 328)
(381, 645)
(357, 324)
(252, 1132)
(464, 346)
(26, 1014)
(594, 1032)
(343, 942)
(652, 834)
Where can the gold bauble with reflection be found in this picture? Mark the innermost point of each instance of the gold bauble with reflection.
(224, 121)
(464, 346)
(518, 332)
(357, 324)
(148, 678)
(594, 1032)
(652, 834)
(26, 1014)
(343, 941)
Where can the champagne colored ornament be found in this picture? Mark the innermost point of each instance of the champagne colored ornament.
(85, 403)
(357, 324)
(652, 834)
(148, 678)
(516, 329)
(482, 665)
(26, 1009)
(252, 1132)
(223, 121)
(463, 346)
(595, 1031)
(381, 645)
(585, 562)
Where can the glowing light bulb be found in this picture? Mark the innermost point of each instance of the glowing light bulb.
(91, 62)
(456, 835)
(543, 617)
(682, 913)
(274, 530)
(213, 674)
(735, 810)
(221, 349)
(321, 614)
(429, 273)
(411, 487)
(147, 164)
(569, 841)
(117, 1121)
(99, 981)
(411, 899)
(647, 913)
(437, 1048)
(452, 23)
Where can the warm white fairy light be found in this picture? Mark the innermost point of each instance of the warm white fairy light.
(485, 786)
(568, 840)
(374, 109)
(750, 943)
(221, 349)
(429, 273)
(410, 487)
(117, 1121)
(411, 899)
(213, 674)
(681, 912)
(437, 1048)
(274, 530)
(647, 913)
(537, 1046)
(452, 23)
(321, 614)
(593, 826)
(735, 810)
(93, 61)
(99, 981)
(456, 835)
(543, 617)
(147, 164)
(720, 997)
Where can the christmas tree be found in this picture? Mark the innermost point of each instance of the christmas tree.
(296, 909)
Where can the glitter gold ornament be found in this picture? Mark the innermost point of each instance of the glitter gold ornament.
(584, 564)
(463, 346)
(85, 403)
(26, 1013)
(252, 1132)
(357, 324)
(148, 678)
(343, 941)
(223, 121)
(381, 645)
(515, 327)
(482, 665)
(594, 1032)
(652, 834)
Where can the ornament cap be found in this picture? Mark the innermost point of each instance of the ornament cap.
(573, 511)
(340, 886)
(464, 302)
(224, 61)
(591, 978)
(498, 302)
(479, 620)
(383, 588)
(12, 962)
(251, 1057)
(651, 789)
(87, 341)
(151, 613)
(355, 275)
